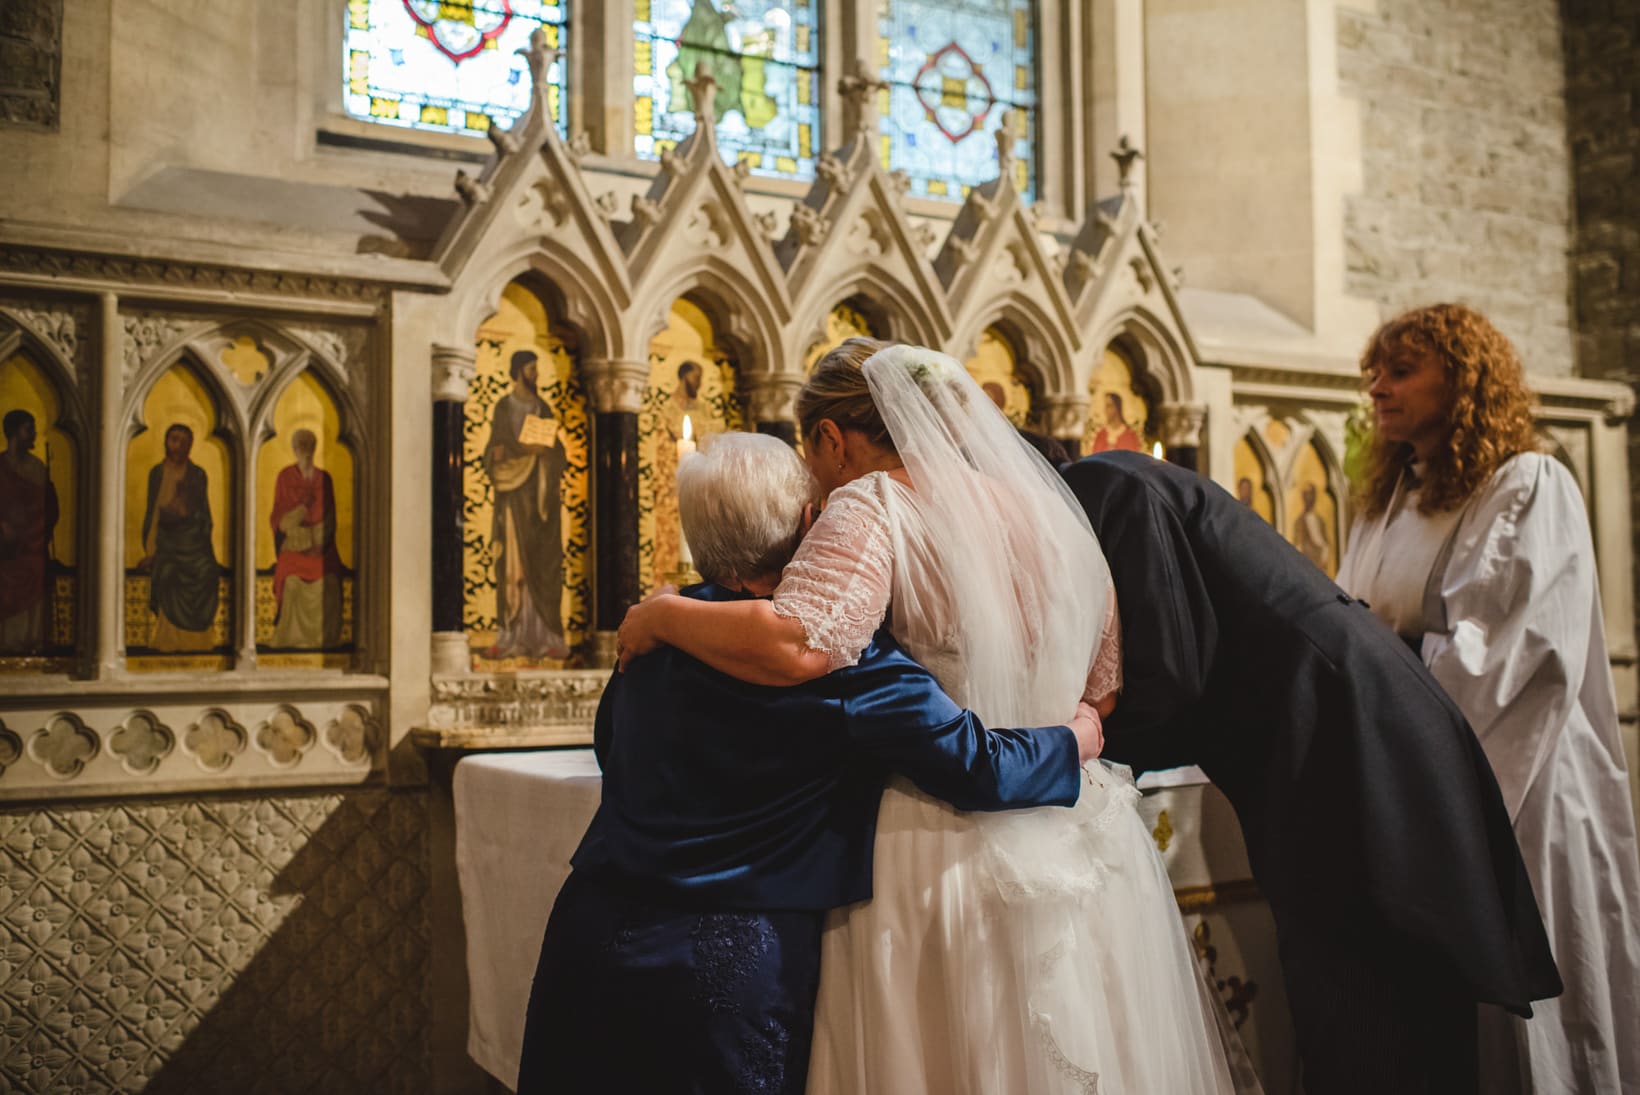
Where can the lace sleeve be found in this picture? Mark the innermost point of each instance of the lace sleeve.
(838, 584)
(1106, 675)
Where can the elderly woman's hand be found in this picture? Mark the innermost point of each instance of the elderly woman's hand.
(640, 628)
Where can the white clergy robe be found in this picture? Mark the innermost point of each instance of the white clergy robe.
(1502, 598)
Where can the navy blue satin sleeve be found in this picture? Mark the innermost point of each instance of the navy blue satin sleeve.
(901, 717)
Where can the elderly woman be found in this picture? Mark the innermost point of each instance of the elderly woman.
(1474, 546)
(683, 953)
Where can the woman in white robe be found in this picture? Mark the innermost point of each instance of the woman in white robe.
(1475, 548)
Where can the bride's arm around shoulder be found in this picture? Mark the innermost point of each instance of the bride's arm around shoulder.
(831, 599)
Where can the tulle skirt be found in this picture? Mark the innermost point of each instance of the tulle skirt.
(1035, 951)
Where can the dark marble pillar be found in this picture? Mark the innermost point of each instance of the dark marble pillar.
(453, 369)
(786, 431)
(615, 515)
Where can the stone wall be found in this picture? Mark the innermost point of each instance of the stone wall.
(1603, 125)
(31, 61)
(251, 944)
(1465, 175)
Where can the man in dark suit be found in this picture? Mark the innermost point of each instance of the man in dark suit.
(1372, 820)
(683, 953)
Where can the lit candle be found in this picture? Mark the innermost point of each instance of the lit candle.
(686, 449)
(1156, 450)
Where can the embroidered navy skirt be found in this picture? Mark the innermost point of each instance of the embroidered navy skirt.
(636, 995)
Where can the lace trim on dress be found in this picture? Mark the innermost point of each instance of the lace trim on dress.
(1106, 676)
(1087, 1081)
(839, 583)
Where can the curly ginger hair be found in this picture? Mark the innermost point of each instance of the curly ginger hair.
(1489, 417)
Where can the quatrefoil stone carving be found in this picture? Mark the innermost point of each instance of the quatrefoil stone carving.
(141, 742)
(214, 741)
(64, 745)
(285, 737)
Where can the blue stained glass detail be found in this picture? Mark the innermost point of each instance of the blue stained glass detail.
(447, 66)
(765, 56)
(954, 67)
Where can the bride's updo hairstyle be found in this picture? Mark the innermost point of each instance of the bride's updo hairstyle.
(837, 390)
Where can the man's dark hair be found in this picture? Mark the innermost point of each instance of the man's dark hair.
(1052, 449)
(14, 421)
(690, 367)
(184, 427)
(519, 360)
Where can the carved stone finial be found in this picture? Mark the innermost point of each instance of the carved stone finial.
(742, 170)
(1005, 142)
(539, 56)
(859, 89)
(832, 171)
(1125, 154)
(645, 211)
(768, 224)
(579, 145)
(608, 205)
(505, 143)
(702, 92)
(900, 181)
(471, 190)
(809, 225)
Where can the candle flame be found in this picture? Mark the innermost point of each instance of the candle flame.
(1156, 450)
(688, 428)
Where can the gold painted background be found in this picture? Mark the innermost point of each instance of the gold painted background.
(688, 337)
(24, 386)
(995, 368)
(522, 322)
(177, 396)
(1114, 376)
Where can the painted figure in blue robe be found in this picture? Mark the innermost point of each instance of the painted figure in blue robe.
(683, 953)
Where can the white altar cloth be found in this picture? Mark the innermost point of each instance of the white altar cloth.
(519, 817)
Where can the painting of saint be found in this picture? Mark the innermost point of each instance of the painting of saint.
(28, 518)
(177, 552)
(524, 458)
(1116, 433)
(1244, 491)
(1310, 531)
(307, 574)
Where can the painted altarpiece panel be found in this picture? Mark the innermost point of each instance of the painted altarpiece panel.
(527, 515)
(1252, 487)
(845, 321)
(690, 377)
(179, 513)
(305, 553)
(995, 368)
(1312, 510)
(1118, 414)
(39, 500)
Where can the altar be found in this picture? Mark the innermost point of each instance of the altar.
(520, 816)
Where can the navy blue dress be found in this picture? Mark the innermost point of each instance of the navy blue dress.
(683, 953)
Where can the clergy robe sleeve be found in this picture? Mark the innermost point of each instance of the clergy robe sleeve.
(913, 728)
(1167, 621)
(1519, 594)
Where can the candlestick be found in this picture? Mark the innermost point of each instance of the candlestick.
(686, 449)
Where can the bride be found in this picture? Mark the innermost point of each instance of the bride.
(1039, 951)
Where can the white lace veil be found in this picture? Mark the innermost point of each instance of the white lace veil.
(1003, 555)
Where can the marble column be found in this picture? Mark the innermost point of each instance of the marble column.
(772, 404)
(1065, 419)
(1181, 433)
(453, 371)
(616, 389)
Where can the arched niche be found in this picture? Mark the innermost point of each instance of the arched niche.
(1255, 473)
(306, 545)
(1314, 506)
(527, 511)
(41, 497)
(694, 386)
(180, 509)
(857, 316)
(1122, 404)
(996, 368)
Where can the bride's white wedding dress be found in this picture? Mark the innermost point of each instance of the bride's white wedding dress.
(1035, 951)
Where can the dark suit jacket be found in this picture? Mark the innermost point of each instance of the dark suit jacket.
(739, 796)
(1365, 800)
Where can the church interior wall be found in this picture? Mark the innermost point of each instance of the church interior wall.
(191, 183)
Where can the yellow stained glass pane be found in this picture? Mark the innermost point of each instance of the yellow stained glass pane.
(805, 89)
(384, 108)
(1022, 28)
(478, 122)
(643, 116)
(643, 56)
(786, 165)
(937, 187)
(805, 141)
(435, 115)
(640, 10)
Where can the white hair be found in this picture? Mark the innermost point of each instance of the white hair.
(741, 499)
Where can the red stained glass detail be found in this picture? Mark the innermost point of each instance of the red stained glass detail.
(932, 93)
(460, 28)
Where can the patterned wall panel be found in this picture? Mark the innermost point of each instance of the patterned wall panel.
(266, 944)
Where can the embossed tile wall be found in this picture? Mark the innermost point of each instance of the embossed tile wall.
(243, 945)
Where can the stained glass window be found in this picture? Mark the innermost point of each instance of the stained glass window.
(954, 67)
(450, 66)
(765, 57)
